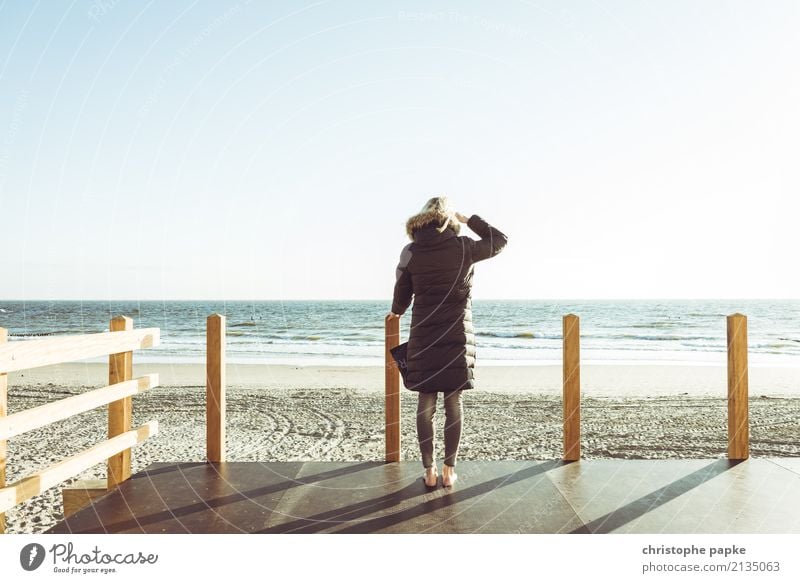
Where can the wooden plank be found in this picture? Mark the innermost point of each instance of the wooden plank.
(738, 391)
(120, 413)
(3, 413)
(571, 387)
(80, 494)
(392, 391)
(34, 485)
(26, 354)
(215, 388)
(36, 417)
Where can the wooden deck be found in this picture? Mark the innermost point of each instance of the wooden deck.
(758, 495)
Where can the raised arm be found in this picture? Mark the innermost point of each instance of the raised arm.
(491, 242)
(402, 285)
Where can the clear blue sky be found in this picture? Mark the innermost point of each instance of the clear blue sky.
(159, 150)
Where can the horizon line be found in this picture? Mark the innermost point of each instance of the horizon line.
(389, 299)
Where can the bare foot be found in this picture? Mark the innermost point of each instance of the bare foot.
(449, 475)
(431, 476)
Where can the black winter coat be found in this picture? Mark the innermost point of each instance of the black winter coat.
(437, 269)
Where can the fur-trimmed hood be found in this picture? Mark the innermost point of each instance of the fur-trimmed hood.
(441, 219)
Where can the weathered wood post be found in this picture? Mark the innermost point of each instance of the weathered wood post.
(215, 388)
(392, 391)
(3, 413)
(572, 388)
(738, 422)
(120, 368)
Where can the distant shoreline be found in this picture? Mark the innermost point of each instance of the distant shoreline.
(596, 379)
(507, 332)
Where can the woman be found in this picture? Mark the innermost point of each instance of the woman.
(437, 268)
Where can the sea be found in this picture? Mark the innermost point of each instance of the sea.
(508, 332)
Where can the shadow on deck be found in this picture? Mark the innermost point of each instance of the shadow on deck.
(590, 496)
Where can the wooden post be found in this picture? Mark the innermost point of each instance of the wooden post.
(572, 388)
(120, 368)
(738, 422)
(215, 388)
(392, 391)
(3, 413)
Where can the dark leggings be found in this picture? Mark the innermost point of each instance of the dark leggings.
(426, 411)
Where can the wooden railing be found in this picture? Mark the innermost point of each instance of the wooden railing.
(738, 416)
(738, 392)
(119, 343)
(571, 387)
(392, 391)
(215, 388)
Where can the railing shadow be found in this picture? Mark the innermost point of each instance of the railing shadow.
(348, 518)
(323, 520)
(638, 508)
(227, 499)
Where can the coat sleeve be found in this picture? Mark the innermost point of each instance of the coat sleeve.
(402, 285)
(491, 242)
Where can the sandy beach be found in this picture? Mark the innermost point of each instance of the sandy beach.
(278, 412)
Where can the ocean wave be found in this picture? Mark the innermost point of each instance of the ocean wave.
(650, 337)
(771, 345)
(659, 324)
(52, 333)
(509, 335)
(243, 324)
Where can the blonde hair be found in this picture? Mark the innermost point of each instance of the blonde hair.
(436, 210)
